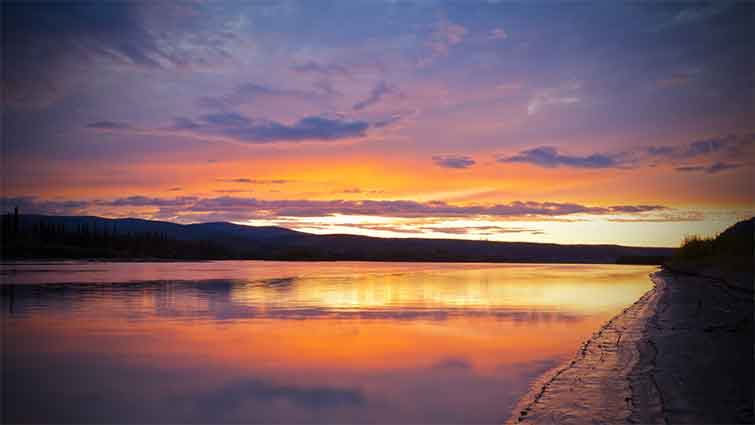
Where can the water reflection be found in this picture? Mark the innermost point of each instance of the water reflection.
(231, 300)
(356, 342)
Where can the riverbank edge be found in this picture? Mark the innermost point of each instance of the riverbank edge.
(644, 402)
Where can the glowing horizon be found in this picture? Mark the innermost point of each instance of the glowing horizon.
(621, 123)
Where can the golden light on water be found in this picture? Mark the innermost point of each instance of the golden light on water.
(554, 287)
(375, 336)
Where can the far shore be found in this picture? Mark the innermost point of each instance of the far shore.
(683, 353)
(307, 260)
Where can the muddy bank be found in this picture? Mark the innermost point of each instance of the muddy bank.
(698, 352)
(683, 353)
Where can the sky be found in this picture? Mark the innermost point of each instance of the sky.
(608, 122)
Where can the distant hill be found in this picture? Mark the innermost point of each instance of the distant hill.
(39, 236)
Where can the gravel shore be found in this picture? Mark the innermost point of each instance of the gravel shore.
(683, 353)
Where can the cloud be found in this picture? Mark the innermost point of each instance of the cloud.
(705, 147)
(49, 48)
(394, 118)
(714, 168)
(357, 191)
(229, 208)
(59, 34)
(182, 123)
(381, 89)
(672, 216)
(676, 79)
(661, 150)
(329, 70)
(483, 230)
(240, 128)
(509, 86)
(729, 146)
(453, 161)
(238, 180)
(419, 228)
(326, 87)
(232, 191)
(693, 14)
(109, 125)
(498, 34)
(688, 168)
(144, 201)
(255, 181)
(443, 36)
(234, 126)
(32, 205)
(228, 119)
(566, 94)
(544, 99)
(453, 363)
(448, 34)
(721, 166)
(550, 158)
(724, 152)
(249, 93)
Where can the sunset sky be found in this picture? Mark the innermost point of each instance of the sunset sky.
(549, 122)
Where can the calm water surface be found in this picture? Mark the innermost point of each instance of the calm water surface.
(278, 342)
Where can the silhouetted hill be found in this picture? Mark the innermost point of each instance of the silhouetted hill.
(736, 242)
(86, 236)
(201, 231)
(739, 237)
(729, 256)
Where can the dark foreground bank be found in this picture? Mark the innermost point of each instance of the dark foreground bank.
(683, 353)
(698, 349)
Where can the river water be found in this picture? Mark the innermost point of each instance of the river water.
(293, 342)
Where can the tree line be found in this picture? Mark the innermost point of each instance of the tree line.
(32, 237)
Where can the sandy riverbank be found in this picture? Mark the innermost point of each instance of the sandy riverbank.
(683, 353)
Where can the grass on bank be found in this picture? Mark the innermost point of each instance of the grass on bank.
(731, 250)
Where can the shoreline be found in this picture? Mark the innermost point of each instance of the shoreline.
(7, 260)
(603, 395)
(682, 353)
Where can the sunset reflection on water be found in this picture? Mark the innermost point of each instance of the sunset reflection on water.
(294, 342)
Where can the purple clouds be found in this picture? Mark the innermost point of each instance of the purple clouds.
(453, 161)
(549, 157)
(377, 93)
(725, 145)
(109, 125)
(321, 70)
(724, 150)
(192, 208)
(714, 168)
(237, 127)
(249, 93)
(254, 181)
(240, 128)
(49, 47)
